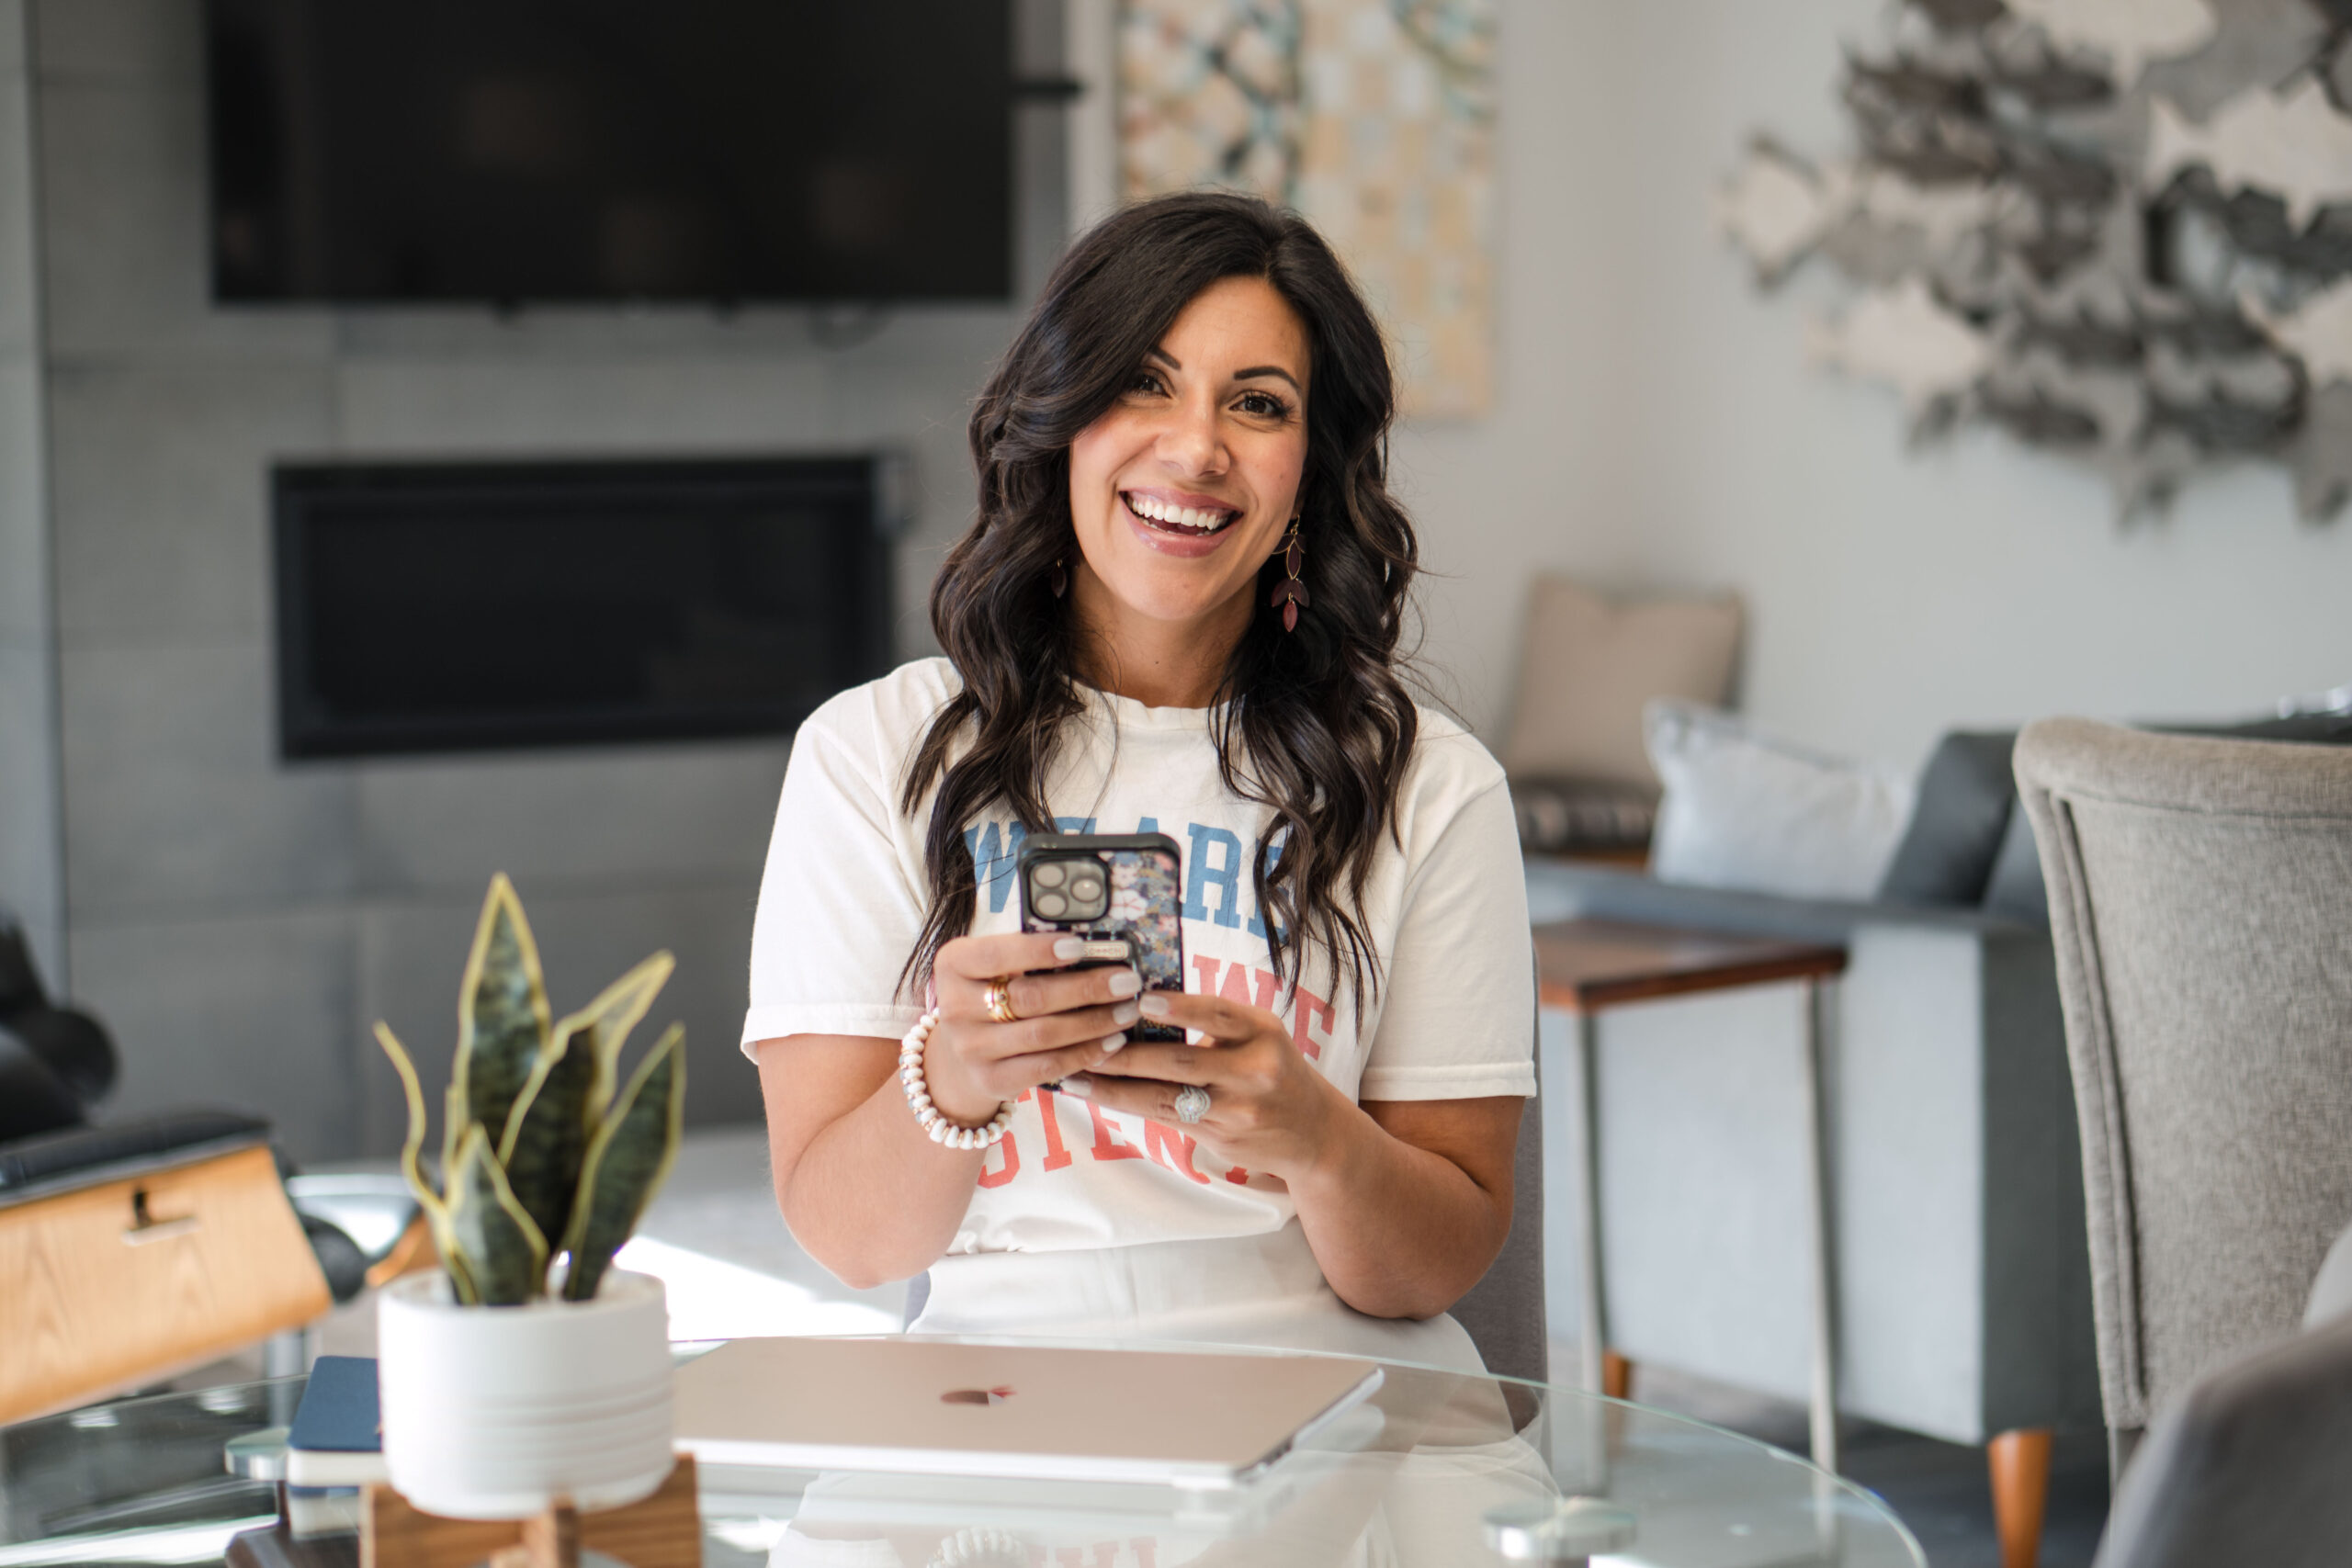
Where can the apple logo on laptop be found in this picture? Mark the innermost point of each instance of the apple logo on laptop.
(975, 1395)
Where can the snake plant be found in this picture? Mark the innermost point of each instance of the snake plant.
(545, 1166)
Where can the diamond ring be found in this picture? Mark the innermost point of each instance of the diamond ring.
(1191, 1104)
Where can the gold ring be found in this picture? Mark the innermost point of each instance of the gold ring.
(999, 999)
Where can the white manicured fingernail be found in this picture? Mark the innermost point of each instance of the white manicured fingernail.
(1124, 983)
(1123, 1014)
(1112, 1045)
(1153, 1005)
(1079, 1085)
(1069, 947)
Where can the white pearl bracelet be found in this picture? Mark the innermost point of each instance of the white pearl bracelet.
(935, 1123)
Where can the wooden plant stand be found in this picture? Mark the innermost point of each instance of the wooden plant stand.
(663, 1531)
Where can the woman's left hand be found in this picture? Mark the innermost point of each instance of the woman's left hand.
(1269, 1110)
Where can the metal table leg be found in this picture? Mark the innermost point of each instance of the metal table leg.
(1593, 1340)
(289, 1351)
(1825, 1282)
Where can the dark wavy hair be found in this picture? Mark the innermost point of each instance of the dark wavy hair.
(1315, 725)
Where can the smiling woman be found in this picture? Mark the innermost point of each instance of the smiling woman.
(1178, 612)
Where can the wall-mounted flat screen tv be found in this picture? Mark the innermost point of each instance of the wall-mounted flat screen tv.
(514, 152)
(465, 606)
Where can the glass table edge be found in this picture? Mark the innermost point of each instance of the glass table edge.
(684, 1350)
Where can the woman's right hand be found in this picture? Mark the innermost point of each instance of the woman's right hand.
(1071, 1021)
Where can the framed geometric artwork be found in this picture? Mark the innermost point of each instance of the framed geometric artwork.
(1374, 118)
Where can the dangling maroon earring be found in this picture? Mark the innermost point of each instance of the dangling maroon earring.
(1291, 594)
(1057, 579)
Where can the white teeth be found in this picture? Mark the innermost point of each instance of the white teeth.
(1179, 516)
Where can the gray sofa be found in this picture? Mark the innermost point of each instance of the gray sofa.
(1963, 1284)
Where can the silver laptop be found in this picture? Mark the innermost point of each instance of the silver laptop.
(1189, 1419)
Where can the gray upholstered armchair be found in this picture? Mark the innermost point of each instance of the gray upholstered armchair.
(2201, 894)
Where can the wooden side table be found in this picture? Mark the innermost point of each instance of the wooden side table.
(1587, 967)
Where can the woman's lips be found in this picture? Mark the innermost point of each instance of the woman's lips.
(1188, 544)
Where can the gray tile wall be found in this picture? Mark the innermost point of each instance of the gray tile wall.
(249, 1009)
(241, 922)
(161, 486)
(31, 847)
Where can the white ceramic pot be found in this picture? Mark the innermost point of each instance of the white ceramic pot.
(494, 1412)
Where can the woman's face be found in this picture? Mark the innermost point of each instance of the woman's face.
(1183, 488)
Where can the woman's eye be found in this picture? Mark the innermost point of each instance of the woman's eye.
(1265, 405)
(1145, 381)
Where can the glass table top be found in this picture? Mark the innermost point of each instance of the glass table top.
(1439, 1469)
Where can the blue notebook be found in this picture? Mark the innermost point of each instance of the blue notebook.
(337, 1439)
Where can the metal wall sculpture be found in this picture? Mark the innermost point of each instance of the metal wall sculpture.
(1373, 117)
(2119, 229)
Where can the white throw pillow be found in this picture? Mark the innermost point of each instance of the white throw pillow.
(1745, 811)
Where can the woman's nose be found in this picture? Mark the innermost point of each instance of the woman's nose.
(1191, 442)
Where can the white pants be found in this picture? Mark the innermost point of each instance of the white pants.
(1256, 1289)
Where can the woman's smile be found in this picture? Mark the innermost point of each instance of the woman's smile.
(1179, 523)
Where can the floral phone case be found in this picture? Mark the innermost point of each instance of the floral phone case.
(1142, 910)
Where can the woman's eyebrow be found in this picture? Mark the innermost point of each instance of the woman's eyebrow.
(1252, 374)
(1257, 370)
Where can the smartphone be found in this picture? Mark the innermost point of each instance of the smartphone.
(1123, 893)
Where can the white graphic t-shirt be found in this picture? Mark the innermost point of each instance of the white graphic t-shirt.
(844, 896)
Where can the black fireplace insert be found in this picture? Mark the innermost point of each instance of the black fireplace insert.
(442, 606)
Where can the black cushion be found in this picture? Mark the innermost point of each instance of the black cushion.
(20, 985)
(33, 1099)
(56, 1160)
(339, 1257)
(1954, 837)
(36, 1034)
(1559, 815)
(71, 1045)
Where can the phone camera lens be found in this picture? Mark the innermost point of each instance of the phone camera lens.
(1047, 873)
(1053, 905)
(1086, 887)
